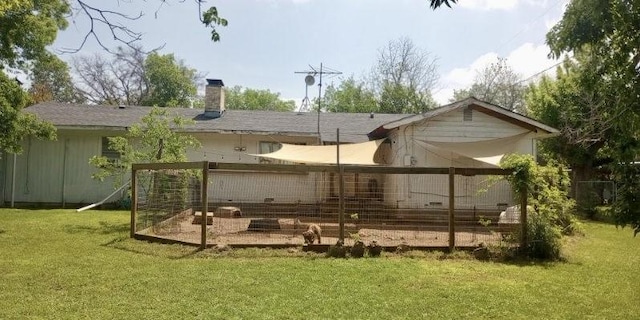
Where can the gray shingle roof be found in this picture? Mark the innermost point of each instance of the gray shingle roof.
(354, 127)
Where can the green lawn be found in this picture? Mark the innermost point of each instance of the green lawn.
(59, 264)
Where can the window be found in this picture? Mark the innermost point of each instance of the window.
(270, 146)
(467, 114)
(108, 153)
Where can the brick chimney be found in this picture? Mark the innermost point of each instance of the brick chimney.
(214, 99)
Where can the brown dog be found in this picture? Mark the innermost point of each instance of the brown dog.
(313, 231)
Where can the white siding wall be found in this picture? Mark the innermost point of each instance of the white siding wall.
(406, 191)
(218, 147)
(58, 171)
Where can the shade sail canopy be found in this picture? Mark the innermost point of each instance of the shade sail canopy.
(487, 151)
(356, 153)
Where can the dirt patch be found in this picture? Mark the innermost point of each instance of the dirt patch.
(234, 231)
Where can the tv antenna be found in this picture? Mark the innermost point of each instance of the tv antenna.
(309, 80)
(305, 106)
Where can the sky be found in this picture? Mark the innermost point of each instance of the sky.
(267, 41)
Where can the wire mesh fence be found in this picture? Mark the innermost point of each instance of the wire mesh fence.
(277, 205)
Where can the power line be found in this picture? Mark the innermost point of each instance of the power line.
(529, 25)
(538, 73)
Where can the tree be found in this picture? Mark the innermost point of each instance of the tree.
(574, 103)
(403, 78)
(171, 83)
(155, 139)
(14, 124)
(28, 27)
(120, 80)
(239, 98)
(349, 96)
(51, 81)
(133, 78)
(499, 84)
(607, 33)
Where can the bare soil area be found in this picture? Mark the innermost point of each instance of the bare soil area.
(235, 231)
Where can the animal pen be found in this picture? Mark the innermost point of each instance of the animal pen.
(271, 205)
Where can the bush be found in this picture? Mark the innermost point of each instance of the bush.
(553, 213)
(544, 238)
(547, 188)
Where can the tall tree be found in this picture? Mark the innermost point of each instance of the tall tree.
(349, 96)
(14, 124)
(171, 83)
(119, 80)
(499, 84)
(403, 78)
(132, 78)
(575, 103)
(239, 98)
(608, 33)
(51, 81)
(28, 27)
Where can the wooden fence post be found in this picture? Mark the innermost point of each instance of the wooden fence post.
(523, 219)
(205, 204)
(452, 202)
(134, 202)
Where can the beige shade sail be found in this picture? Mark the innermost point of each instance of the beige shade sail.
(487, 151)
(356, 153)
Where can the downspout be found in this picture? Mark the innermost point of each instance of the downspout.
(13, 180)
(64, 172)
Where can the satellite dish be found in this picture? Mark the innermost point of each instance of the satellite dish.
(309, 80)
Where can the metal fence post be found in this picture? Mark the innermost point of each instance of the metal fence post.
(452, 202)
(134, 202)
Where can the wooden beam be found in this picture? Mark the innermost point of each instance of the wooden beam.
(303, 168)
(505, 118)
(523, 220)
(165, 166)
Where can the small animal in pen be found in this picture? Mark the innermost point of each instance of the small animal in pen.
(313, 231)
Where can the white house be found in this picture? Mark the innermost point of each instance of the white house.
(468, 133)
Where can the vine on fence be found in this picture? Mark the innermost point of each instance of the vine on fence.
(551, 211)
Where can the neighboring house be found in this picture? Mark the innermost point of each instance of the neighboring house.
(469, 133)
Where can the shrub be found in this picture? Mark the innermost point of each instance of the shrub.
(544, 238)
(547, 188)
(553, 213)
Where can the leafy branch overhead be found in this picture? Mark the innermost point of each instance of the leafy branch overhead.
(437, 3)
(211, 19)
(116, 23)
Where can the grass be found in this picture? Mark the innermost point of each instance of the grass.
(59, 264)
